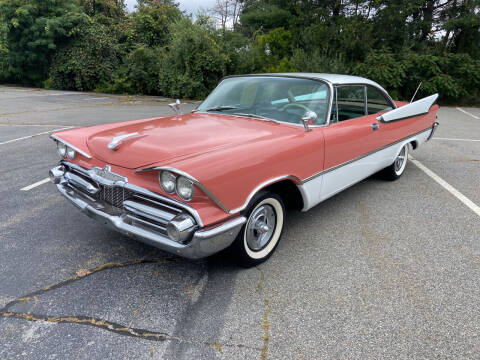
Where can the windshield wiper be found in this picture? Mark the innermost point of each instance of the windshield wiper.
(255, 116)
(222, 107)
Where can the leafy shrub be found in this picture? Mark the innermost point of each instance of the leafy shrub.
(192, 64)
(138, 74)
(3, 53)
(151, 24)
(383, 67)
(451, 75)
(320, 60)
(87, 60)
(33, 31)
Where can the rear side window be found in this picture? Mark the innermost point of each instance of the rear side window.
(350, 102)
(376, 101)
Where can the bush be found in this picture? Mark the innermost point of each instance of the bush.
(138, 74)
(320, 61)
(3, 53)
(151, 24)
(33, 31)
(453, 76)
(86, 61)
(383, 67)
(192, 64)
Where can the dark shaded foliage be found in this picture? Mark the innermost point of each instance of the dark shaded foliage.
(97, 45)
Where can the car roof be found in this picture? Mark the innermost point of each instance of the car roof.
(334, 79)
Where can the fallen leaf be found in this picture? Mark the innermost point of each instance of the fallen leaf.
(83, 272)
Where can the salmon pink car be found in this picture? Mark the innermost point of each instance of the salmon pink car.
(222, 176)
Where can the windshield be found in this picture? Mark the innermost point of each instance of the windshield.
(277, 98)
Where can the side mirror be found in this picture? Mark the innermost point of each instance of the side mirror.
(175, 106)
(310, 118)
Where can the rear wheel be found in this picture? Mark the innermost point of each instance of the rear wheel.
(394, 171)
(261, 233)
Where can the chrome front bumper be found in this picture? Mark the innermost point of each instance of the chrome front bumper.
(203, 243)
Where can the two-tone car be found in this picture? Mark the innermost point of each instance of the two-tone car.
(222, 175)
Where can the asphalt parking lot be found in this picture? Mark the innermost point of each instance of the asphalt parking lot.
(382, 270)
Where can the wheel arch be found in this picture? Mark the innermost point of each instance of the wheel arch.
(289, 192)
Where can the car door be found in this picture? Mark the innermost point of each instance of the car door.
(351, 136)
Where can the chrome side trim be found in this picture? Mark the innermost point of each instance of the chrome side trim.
(54, 137)
(146, 192)
(360, 157)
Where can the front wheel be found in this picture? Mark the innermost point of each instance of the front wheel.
(261, 233)
(394, 171)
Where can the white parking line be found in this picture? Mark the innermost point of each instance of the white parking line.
(469, 114)
(30, 136)
(38, 183)
(450, 139)
(474, 207)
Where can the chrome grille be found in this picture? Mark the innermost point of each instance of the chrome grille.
(114, 195)
(140, 209)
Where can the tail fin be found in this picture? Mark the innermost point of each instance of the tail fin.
(415, 108)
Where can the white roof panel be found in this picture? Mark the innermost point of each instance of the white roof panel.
(335, 79)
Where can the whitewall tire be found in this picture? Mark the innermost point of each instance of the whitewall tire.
(261, 233)
(394, 171)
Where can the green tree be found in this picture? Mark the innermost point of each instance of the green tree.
(192, 64)
(104, 11)
(87, 60)
(150, 25)
(34, 29)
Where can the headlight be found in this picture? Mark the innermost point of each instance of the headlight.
(61, 149)
(71, 153)
(167, 181)
(184, 188)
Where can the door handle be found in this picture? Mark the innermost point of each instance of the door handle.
(374, 126)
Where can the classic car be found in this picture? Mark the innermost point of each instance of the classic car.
(222, 175)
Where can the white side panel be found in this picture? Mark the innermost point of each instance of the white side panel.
(332, 182)
(419, 107)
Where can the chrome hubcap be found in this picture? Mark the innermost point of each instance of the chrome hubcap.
(260, 227)
(400, 159)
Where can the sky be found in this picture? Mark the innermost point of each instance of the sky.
(190, 6)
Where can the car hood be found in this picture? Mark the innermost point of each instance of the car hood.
(169, 138)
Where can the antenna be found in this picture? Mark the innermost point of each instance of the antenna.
(418, 87)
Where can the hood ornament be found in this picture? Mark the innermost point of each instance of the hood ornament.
(117, 140)
(176, 107)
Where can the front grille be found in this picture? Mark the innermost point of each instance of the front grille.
(113, 195)
(139, 209)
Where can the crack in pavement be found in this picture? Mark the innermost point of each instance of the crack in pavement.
(266, 321)
(97, 322)
(86, 320)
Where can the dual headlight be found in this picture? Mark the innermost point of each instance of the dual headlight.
(172, 183)
(64, 150)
